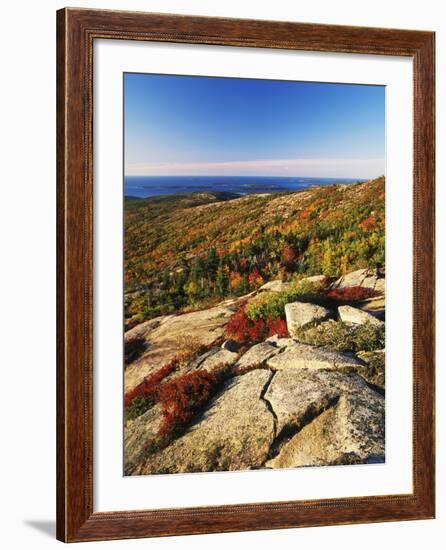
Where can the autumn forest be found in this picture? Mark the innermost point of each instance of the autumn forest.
(189, 251)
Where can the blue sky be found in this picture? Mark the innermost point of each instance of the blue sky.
(185, 125)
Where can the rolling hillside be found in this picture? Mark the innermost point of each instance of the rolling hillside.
(185, 252)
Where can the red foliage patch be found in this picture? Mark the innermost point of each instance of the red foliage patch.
(238, 326)
(351, 294)
(258, 330)
(148, 388)
(182, 397)
(279, 327)
(241, 329)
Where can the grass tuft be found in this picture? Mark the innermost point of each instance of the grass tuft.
(344, 337)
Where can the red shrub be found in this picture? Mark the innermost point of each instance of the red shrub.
(149, 386)
(258, 330)
(241, 329)
(277, 326)
(351, 294)
(182, 397)
(238, 325)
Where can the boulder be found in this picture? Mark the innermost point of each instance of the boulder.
(197, 361)
(143, 329)
(303, 356)
(355, 278)
(299, 314)
(380, 286)
(274, 286)
(136, 434)
(370, 279)
(230, 345)
(366, 278)
(257, 355)
(376, 306)
(162, 336)
(376, 366)
(326, 417)
(280, 342)
(221, 358)
(315, 279)
(349, 314)
(234, 433)
(298, 395)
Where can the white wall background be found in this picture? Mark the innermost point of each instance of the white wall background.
(27, 215)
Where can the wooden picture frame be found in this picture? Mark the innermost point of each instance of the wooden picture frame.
(76, 31)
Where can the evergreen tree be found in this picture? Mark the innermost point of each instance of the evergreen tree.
(211, 263)
(166, 280)
(197, 271)
(222, 281)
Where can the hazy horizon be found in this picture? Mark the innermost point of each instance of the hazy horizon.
(296, 176)
(267, 175)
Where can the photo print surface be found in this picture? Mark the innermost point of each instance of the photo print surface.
(254, 274)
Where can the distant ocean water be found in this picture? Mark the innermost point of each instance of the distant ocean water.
(151, 186)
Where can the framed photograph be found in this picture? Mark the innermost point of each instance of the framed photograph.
(245, 275)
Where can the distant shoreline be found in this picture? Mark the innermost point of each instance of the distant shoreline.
(153, 186)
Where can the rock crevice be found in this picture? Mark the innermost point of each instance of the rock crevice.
(327, 417)
(290, 430)
(271, 410)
